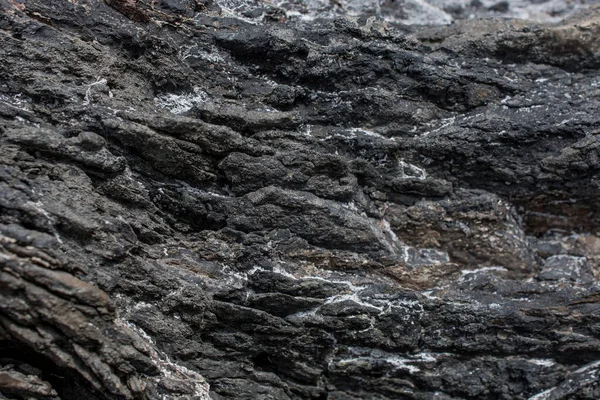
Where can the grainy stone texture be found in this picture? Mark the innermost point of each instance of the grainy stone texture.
(239, 200)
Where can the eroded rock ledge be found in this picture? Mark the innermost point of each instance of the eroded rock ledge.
(204, 202)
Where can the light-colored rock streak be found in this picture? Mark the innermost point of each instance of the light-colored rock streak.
(169, 369)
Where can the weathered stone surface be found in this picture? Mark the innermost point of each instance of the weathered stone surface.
(238, 200)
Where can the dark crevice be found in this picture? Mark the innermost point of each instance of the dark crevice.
(67, 383)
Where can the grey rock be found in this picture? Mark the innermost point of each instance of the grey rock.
(312, 200)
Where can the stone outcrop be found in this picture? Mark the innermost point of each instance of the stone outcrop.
(240, 200)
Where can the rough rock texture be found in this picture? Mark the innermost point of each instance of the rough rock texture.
(200, 203)
(419, 12)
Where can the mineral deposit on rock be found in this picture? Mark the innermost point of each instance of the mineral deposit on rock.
(299, 199)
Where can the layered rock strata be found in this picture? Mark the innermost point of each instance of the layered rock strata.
(202, 201)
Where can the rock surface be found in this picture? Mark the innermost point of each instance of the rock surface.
(238, 200)
(419, 12)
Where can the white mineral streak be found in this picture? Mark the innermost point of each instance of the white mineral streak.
(181, 103)
(543, 362)
(281, 271)
(350, 206)
(353, 297)
(39, 207)
(88, 92)
(169, 369)
(411, 309)
(587, 367)
(194, 51)
(350, 285)
(389, 238)
(235, 8)
(411, 171)
(443, 123)
(565, 389)
(428, 294)
(307, 130)
(17, 101)
(379, 356)
(398, 247)
(347, 135)
(466, 272)
(235, 278)
(543, 395)
(366, 132)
